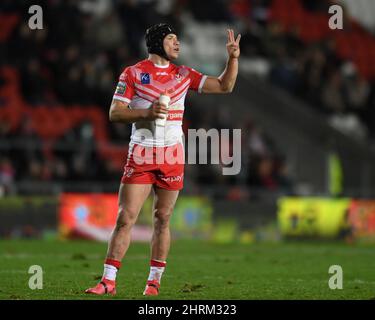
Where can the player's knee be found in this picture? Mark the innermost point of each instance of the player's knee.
(126, 218)
(162, 216)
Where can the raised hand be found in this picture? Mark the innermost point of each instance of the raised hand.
(233, 46)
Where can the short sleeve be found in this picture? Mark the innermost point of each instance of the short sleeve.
(197, 80)
(125, 87)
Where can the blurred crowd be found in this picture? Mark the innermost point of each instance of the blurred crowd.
(313, 71)
(84, 45)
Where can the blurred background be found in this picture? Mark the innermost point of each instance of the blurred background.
(304, 100)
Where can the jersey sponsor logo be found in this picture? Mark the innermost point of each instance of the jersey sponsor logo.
(176, 115)
(145, 78)
(171, 179)
(161, 73)
(121, 88)
(128, 172)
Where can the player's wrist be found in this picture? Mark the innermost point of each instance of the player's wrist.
(144, 114)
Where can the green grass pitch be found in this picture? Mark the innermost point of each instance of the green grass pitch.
(195, 270)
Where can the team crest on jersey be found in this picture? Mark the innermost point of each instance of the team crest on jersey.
(145, 78)
(121, 88)
(178, 77)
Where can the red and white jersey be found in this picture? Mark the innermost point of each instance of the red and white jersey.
(141, 84)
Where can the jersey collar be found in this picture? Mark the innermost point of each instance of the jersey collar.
(158, 66)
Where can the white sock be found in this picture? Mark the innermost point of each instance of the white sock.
(156, 273)
(109, 272)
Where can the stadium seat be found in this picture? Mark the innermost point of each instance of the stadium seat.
(355, 44)
(7, 23)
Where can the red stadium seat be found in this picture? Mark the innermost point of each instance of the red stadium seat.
(354, 43)
(7, 23)
(50, 123)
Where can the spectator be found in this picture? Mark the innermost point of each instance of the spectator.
(7, 176)
(262, 174)
(332, 94)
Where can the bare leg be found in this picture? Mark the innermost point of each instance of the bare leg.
(131, 199)
(163, 206)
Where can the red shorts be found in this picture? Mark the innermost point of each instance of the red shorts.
(161, 166)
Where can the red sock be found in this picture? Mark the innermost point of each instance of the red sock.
(157, 263)
(112, 262)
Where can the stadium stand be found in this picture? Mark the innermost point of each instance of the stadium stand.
(56, 86)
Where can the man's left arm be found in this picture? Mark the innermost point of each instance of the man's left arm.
(226, 81)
